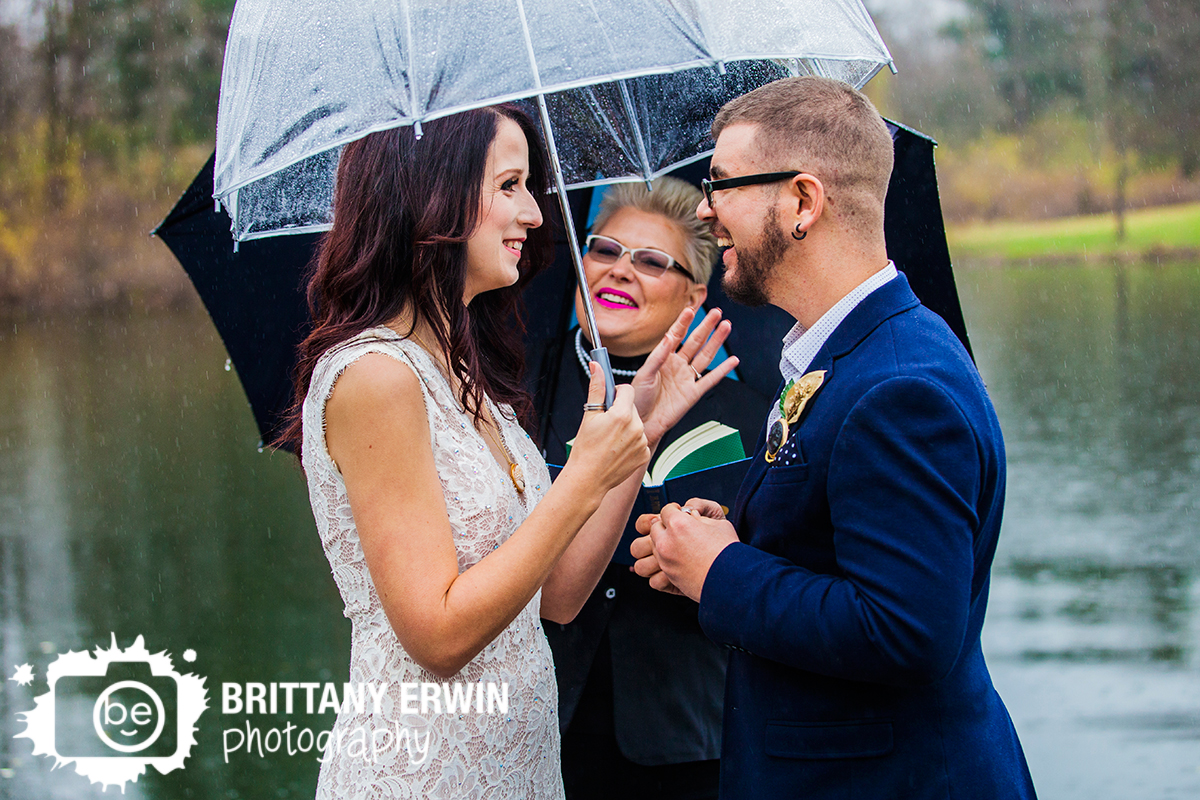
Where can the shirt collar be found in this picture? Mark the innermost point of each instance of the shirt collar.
(801, 344)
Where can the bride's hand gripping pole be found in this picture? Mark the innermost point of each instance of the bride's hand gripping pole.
(600, 353)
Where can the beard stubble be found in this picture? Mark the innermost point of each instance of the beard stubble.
(747, 285)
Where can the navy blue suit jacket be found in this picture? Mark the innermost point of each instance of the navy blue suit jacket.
(854, 602)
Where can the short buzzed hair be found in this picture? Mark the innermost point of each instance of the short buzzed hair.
(676, 201)
(828, 129)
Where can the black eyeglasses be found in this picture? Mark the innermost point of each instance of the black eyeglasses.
(646, 260)
(746, 180)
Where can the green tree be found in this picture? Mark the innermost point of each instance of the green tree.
(1032, 51)
(1154, 78)
(97, 97)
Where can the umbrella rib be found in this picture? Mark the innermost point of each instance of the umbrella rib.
(412, 84)
(599, 353)
(537, 75)
(637, 131)
(601, 115)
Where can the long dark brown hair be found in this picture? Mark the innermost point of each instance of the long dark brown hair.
(403, 211)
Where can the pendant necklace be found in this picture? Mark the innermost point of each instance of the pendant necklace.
(515, 473)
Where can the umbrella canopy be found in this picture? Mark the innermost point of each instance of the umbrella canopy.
(256, 298)
(629, 86)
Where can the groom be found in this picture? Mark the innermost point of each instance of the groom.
(851, 580)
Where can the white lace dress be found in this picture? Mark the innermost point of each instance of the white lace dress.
(469, 755)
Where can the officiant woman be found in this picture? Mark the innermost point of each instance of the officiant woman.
(640, 686)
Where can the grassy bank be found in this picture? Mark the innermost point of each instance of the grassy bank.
(1166, 230)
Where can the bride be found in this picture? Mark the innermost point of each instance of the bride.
(445, 536)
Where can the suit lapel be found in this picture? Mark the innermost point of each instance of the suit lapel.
(893, 298)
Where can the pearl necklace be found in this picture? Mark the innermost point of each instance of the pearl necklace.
(583, 357)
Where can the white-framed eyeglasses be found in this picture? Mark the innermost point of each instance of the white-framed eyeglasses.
(646, 260)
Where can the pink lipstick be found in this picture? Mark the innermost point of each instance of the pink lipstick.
(606, 303)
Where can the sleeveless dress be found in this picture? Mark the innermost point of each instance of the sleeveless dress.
(468, 755)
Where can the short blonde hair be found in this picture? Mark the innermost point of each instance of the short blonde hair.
(824, 127)
(675, 200)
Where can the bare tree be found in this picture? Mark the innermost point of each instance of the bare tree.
(1152, 104)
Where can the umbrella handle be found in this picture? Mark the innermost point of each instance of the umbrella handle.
(600, 356)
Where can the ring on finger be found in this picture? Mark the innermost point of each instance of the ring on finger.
(695, 371)
(593, 407)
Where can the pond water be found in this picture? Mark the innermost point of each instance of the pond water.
(134, 501)
(1093, 631)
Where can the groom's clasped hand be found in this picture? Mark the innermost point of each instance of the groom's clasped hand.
(679, 544)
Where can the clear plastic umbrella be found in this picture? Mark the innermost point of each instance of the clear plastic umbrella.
(624, 89)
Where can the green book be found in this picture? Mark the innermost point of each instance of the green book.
(705, 446)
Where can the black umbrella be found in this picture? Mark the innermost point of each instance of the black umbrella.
(256, 299)
(254, 295)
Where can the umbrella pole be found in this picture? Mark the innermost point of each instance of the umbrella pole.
(599, 354)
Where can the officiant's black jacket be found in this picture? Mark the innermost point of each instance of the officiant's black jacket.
(665, 676)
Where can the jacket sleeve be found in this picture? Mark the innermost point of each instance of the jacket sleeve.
(903, 485)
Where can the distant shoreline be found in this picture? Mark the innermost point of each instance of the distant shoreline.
(149, 280)
(1163, 233)
(1177, 255)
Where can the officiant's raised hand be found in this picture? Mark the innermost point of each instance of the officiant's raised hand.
(679, 545)
(672, 378)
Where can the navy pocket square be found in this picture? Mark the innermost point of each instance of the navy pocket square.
(789, 454)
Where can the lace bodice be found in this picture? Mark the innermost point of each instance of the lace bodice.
(470, 755)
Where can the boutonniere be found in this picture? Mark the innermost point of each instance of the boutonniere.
(792, 400)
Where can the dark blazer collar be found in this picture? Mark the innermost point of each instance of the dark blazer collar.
(894, 297)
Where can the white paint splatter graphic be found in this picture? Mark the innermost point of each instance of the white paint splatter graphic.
(24, 675)
(118, 770)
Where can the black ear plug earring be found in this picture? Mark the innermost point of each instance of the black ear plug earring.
(798, 234)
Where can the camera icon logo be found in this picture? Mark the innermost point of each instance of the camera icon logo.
(116, 713)
(134, 713)
(107, 703)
